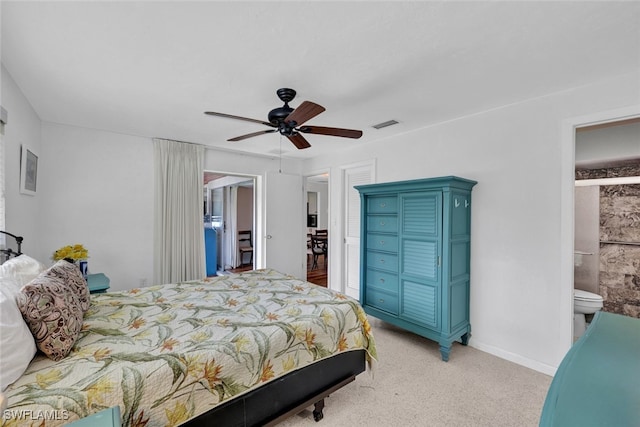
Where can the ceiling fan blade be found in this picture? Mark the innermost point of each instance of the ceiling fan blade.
(246, 119)
(306, 111)
(323, 130)
(299, 141)
(251, 135)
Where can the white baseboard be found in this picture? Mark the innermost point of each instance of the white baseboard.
(515, 358)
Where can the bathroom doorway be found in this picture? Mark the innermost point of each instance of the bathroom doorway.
(607, 196)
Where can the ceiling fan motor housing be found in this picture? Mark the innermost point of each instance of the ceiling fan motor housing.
(277, 115)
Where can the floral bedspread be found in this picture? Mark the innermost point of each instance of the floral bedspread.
(167, 353)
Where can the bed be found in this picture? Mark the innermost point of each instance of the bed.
(8, 251)
(598, 381)
(245, 349)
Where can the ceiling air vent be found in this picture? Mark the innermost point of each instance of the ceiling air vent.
(385, 124)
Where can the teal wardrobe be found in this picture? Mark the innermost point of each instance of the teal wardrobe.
(415, 250)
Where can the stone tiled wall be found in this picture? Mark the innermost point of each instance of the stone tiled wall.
(619, 222)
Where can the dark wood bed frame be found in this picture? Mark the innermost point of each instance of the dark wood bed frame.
(279, 399)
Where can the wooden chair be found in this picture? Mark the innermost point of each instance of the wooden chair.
(318, 247)
(323, 232)
(245, 246)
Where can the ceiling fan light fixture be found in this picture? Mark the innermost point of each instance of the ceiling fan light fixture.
(385, 124)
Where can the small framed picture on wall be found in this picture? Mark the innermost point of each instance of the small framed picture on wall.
(28, 171)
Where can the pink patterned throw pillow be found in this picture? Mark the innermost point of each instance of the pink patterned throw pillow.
(71, 275)
(53, 313)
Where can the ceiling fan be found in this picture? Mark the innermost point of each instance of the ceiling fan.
(289, 122)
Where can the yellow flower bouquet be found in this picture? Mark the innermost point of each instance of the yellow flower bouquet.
(75, 252)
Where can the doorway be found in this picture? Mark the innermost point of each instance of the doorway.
(229, 208)
(607, 246)
(317, 222)
(567, 207)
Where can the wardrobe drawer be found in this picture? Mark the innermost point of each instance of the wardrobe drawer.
(382, 280)
(382, 261)
(383, 223)
(382, 300)
(382, 242)
(382, 204)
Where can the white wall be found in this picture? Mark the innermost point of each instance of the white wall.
(520, 296)
(235, 163)
(245, 209)
(611, 143)
(99, 192)
(23, 212)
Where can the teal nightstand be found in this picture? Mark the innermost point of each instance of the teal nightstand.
(98, 283)
(107, 418)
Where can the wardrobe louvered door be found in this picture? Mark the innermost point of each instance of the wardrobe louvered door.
(420, 237)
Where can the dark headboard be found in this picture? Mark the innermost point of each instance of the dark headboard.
(9, 252)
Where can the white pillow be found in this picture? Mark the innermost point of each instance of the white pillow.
(23, 267)
(17, 346)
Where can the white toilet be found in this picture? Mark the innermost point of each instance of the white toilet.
(584, 303)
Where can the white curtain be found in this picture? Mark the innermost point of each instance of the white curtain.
(179, 227)
(2, 203)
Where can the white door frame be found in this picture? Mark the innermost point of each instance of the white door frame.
(329, 219)
(567, 207)
(225, 234)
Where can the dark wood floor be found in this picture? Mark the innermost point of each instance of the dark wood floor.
(239, 269)
(317, 276)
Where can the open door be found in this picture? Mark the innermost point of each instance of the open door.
(353, 176)
(284, 229)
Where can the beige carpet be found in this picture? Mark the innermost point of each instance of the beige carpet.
(412, 386)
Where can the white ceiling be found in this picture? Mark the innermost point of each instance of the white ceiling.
(152, 68)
